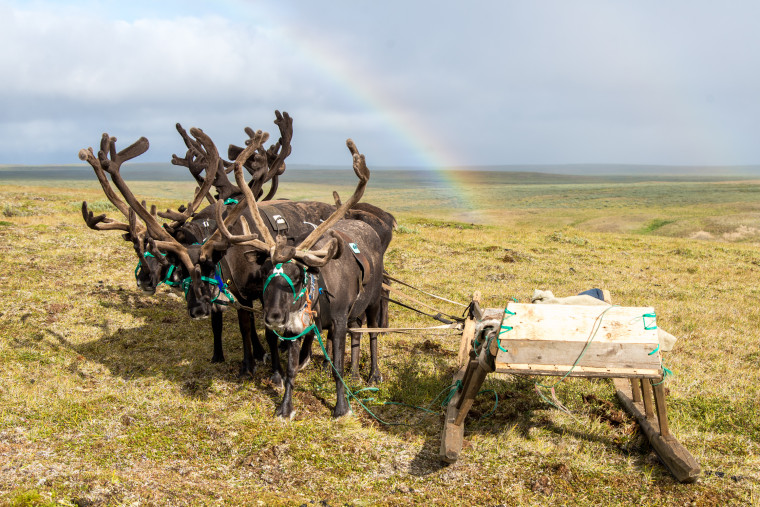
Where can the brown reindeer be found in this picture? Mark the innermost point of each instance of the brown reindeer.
(343, 257)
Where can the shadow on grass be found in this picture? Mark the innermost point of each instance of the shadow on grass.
(168, 345)
(171, 346)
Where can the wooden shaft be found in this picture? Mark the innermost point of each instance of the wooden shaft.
(465, 344)
(636, 390)
(469, 391)
(646, 389)
(662, 413)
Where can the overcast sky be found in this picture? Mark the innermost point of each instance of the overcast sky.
(425, 83)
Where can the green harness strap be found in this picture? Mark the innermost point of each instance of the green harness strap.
(166, 280)
(212, 281)
(279, 271)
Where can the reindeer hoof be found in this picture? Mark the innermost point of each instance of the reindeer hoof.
(246, 373)
(285, 413)
(375, 379)
(342, 412)
(217, 358)
(276, 380)
(288, 418)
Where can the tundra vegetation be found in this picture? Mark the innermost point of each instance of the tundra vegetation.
(108, 395)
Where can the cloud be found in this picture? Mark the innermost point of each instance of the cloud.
(413, 82)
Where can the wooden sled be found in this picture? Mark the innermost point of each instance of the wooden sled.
(562, 340)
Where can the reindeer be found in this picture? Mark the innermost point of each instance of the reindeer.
(293, 307)
(153, 267)
(197, 264)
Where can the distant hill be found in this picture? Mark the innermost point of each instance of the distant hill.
(397, 177)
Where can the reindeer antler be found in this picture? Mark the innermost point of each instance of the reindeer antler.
(110, 161)
(362, 172)
(197, 162)
(275, 157)
(201, 153)
(279, 250)
(257, 140)
(101, 222)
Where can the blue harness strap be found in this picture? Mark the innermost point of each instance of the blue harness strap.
(217, 282)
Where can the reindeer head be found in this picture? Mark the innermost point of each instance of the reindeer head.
(291, 271)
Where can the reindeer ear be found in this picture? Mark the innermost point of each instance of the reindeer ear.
(338, 245)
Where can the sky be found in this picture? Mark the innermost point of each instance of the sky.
(421, 84)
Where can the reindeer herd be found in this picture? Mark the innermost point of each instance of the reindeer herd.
(312, 266)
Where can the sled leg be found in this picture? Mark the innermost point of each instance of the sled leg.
(673, 455)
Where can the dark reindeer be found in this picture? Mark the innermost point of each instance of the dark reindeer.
(198, 263)
(351, 288)
(153, 267)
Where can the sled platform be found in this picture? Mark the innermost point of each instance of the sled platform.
(567, 340)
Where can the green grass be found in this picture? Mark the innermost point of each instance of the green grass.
(108, 396)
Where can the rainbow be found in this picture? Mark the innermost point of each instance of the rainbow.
(431, 152)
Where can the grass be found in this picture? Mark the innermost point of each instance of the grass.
(108, 396)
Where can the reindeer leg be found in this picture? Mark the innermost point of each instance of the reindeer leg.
(245, 324)
(274, 353)
(339, 351)
(285, 410)
(356, 352)
(259, 353)
(216, 328)
(304, 357)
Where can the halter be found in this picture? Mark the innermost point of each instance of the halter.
(166, 279)
(310, 289)
(217, 282)
(279, 271)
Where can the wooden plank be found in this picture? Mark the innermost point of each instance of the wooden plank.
(452, 436)
(646, 395)
(662, 413)
(578, 371)
(576, 323)
(676, 458)
(465, 345)
(595, 354)
(470, 389)
(468, 333)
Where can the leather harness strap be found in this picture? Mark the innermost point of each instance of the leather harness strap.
(279, 224)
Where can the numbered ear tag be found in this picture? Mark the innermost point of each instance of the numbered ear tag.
(354, 247)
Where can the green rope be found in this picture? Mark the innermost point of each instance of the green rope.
(665, 373)
(652, 316)
(495, 403)
(504, 328)
(456, 386)
(313, 327)
(350, 394)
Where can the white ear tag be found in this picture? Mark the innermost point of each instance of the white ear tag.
(354, 247)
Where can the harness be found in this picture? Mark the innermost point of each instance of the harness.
(360, 258)
(217, 282)
(310, 292)
(166, 279)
